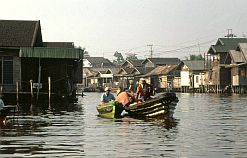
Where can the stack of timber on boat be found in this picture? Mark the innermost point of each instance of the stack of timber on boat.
(160, 107)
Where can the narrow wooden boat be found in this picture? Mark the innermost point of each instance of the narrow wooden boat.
(160, 107)
(3, 113)
(110, 110)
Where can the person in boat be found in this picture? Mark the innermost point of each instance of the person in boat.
(107, 96)
(145, 90)
(124, 97)
(132, 87)
(1, 102)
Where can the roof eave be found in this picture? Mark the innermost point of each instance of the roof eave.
(211, 50)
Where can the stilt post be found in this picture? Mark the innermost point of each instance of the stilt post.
(49, 91)
(31, 92)
(17, 93)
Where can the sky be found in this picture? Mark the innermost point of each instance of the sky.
(174, 28)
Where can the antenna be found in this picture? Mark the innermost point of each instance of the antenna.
(151, 50)
(230, 34)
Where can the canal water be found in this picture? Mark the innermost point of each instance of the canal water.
(207, 125)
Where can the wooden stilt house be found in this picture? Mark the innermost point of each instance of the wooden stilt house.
(26, 63)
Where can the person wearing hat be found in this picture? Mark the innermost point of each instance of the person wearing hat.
(107, 96)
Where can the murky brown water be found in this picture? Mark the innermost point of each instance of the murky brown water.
(207, 126)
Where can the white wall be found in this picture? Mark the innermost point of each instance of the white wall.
(106, 75)
(199, 80)
(235, 80)
(86, 63)
(185, 78)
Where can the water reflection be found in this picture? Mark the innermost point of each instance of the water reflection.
(205, 125)
(47, 134)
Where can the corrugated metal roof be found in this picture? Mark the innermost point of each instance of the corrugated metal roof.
(237, 56)
(99, 61)
(20, 33)
(142, 70)
(135, 63)
(161, 70)
(162, 61)
(223, 45)
(125, 71)
(39, 52)
(113, 70)
(243, 47)
(195, 65)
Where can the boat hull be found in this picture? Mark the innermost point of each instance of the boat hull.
(3, 113)
(162, 106)
(110, 110)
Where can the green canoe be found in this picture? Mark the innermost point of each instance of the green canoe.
(110, 110)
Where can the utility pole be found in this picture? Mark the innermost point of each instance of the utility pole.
(151, 50)
(199, 47)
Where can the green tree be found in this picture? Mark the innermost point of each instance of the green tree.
(119, 59)
(86, 54)
(131, 56)
(195, 57)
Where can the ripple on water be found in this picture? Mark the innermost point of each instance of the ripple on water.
(207, 125)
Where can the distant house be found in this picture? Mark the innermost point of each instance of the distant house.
(164, 77)
(97, 62)
(94, 65)
(124, 76)
(138, 71)
(193, 74)
(25, 59)
(90, 78)
(131, 74)
(125, 71)
(236, 61)
(132, 63)
(100, 77)
(108, 78)
(154, 62)
(220, 76)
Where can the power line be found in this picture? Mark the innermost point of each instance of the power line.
(187, 47)
(126, 51)
(130, 49)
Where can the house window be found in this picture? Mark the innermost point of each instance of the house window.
(197, 79)
(246, 72)
(242, 72)
(6, 69)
